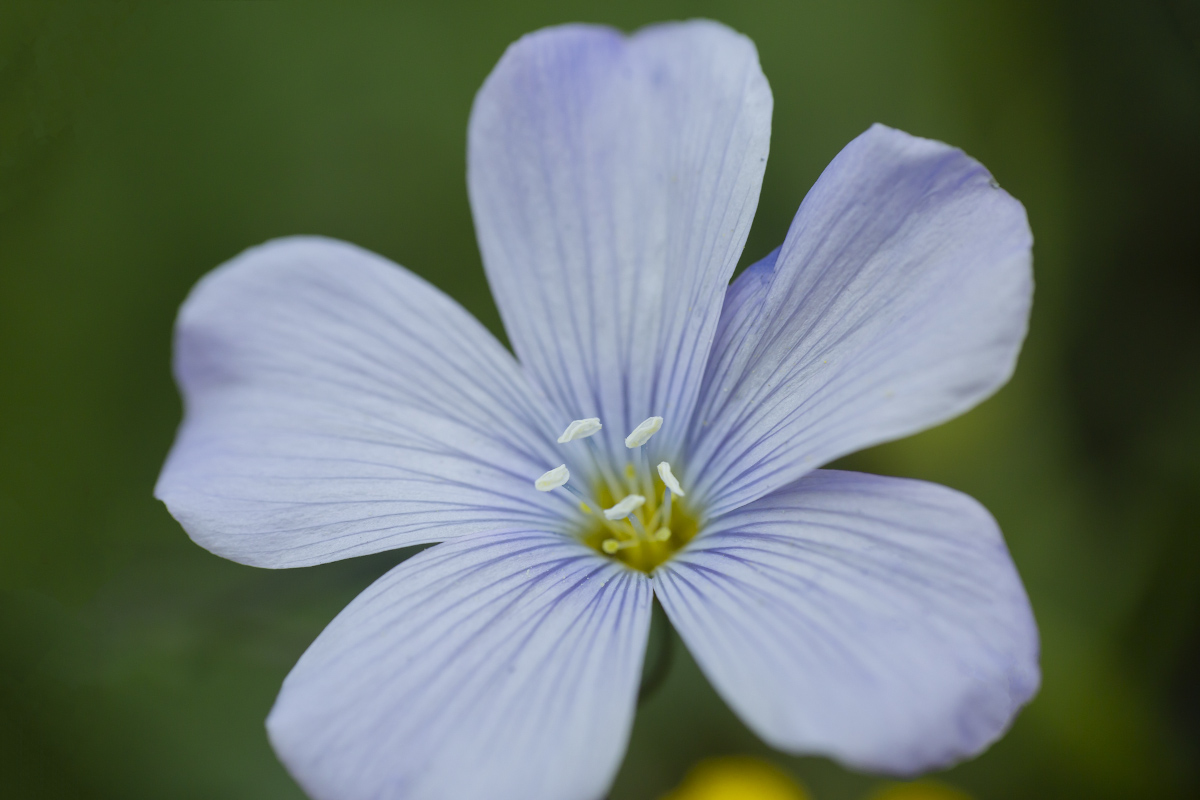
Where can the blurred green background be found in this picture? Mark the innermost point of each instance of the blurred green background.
(141, 145)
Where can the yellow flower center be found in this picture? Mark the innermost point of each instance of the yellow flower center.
(658, 533)
(636, 517)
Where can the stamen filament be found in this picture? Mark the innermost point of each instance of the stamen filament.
(644, 473)
(606, 472)
(583, 498)
(634, 441)
(634, 479)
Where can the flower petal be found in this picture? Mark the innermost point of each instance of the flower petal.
(499, 667)
(337, 405)
(613, 180)
(876, 620)
(899, 300)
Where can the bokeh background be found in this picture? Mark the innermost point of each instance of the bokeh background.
(141, 145)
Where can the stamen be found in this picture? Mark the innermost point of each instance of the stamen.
(665, 509)
(580, 429)
(624, 508)
(668, 477)
(642, 433)
(584, 429)
(662, 534)
(553, 479)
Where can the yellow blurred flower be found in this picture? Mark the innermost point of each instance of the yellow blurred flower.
(921, 790)
(737, 778)
(749, 778)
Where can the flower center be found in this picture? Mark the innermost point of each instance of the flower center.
(634, 515)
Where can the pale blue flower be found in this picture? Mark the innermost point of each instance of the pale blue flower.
(338, 405)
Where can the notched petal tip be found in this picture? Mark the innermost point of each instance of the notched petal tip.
(660, 138)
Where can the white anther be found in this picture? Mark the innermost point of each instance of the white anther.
(580, 429)
(626, 507)
(553, 479)
(668, 477)
(642, 433)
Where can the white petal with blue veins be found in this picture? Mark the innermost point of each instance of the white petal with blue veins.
(899, 299)
(486, 668)
(613, 180)
(876, 620)
(336, 405)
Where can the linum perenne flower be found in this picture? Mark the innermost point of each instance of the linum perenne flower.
(337, 405)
